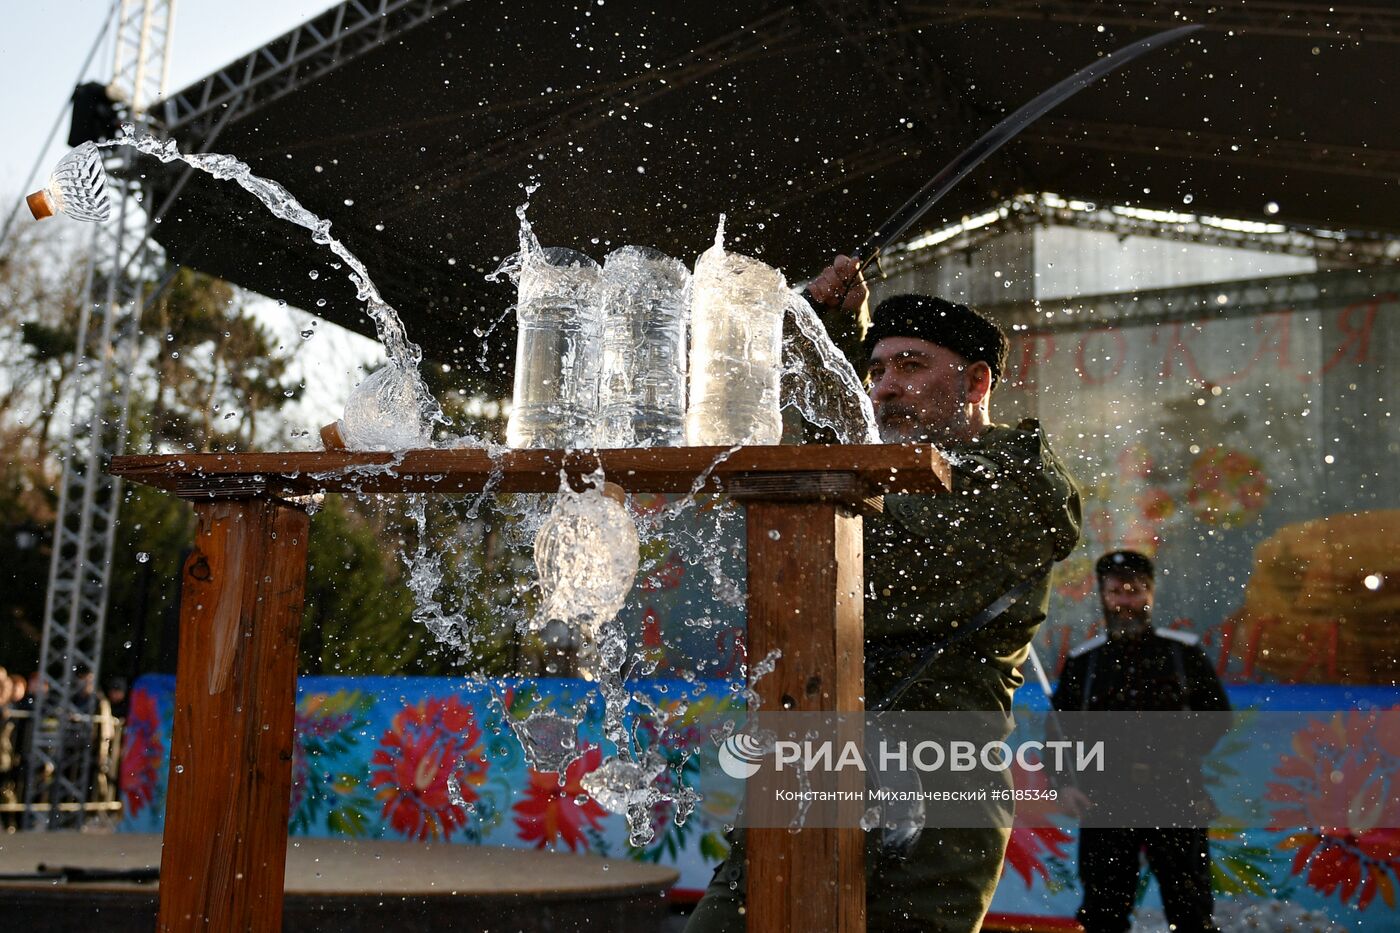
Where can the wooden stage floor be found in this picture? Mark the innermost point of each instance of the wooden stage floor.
(349, 887)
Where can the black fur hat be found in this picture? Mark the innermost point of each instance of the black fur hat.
(968, 333)
(1127, 563)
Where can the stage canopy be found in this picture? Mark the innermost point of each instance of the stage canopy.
(415, 128)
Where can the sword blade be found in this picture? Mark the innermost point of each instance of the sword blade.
(954, 172)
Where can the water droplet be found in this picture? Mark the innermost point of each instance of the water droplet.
(142, 557)
(774, 533)
(314, 274)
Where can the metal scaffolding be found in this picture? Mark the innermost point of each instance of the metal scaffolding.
(59, 763)
(292, 60)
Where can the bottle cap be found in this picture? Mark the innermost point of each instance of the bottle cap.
(40, 204)
(332, 438)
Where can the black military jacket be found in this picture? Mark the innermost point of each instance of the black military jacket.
(933, 562)
(1153, 768)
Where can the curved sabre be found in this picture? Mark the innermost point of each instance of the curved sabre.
(998, 135)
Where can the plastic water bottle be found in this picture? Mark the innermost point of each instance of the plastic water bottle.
(77, 188)
(641, 391)
(384, 412)
(557, 350)
(736, 351)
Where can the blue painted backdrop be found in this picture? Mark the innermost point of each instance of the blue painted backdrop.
(374, 756)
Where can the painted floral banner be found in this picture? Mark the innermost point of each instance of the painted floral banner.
(434, 760)
(378, 758)
(1331, 747)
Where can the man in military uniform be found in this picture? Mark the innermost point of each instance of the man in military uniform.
(932, 564)
(1134, 667)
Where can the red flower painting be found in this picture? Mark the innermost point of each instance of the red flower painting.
(142, 754)
(553, 812)
(1228, 487)
(426, 745)
(1033, 836)
(1335, 799)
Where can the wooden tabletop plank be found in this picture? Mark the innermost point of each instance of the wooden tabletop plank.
(880, 468)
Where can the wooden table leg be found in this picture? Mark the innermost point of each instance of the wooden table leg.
(805, 599)
(225, 848)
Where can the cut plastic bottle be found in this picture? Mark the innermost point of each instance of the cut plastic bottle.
(384, 413)
(77, 188)
(587, 553)
(557, 350)
(736, 351)
(641, 391)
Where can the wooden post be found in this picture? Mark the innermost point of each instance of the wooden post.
(225, 846)
(805, 600)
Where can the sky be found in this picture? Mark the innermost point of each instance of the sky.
(43, 44)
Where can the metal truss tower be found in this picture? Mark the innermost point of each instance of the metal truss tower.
(59, 760)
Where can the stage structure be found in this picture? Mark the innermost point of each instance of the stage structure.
(59, 760)
(393, 118)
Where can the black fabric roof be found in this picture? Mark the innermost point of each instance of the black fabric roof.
(807, 124)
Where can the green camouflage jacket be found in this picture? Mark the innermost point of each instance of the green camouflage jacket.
(933, 562)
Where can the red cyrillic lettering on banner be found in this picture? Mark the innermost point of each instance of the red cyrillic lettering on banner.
(1227, 643)
(731, 647)
(1177, 348)
(1356, 334)
(1275, 332)
(1120, 355)
(1027, 365)
(1061, 651)
(651, 628)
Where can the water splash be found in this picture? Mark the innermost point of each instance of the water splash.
(821, 383)
(401, 352)
(586, 553)
(549, 737)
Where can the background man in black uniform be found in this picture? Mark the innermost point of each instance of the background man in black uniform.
(1137, 668)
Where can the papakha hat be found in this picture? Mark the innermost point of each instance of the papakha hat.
(968, 333)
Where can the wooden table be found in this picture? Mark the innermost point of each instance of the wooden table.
(231, 747)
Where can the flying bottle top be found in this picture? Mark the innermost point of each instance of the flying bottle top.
(77, 188)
